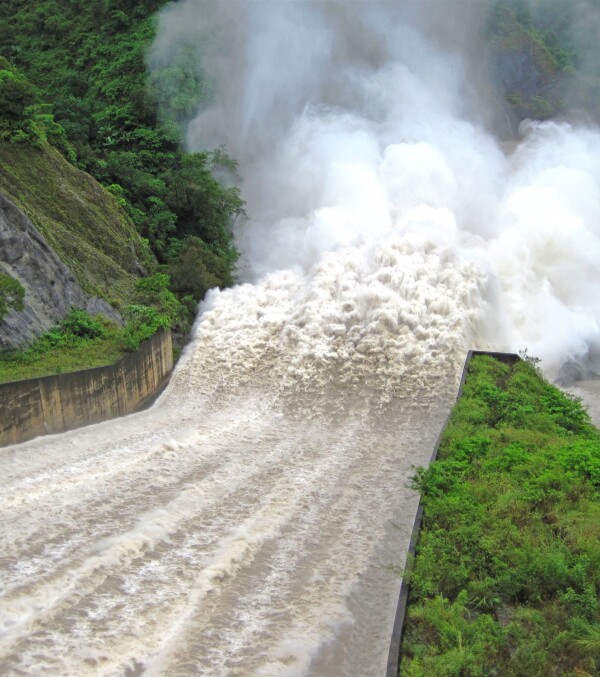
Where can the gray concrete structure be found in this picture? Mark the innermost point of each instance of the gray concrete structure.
(57, 403)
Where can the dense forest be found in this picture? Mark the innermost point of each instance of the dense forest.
(74, 74)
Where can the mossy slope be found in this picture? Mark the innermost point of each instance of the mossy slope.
(79, 219)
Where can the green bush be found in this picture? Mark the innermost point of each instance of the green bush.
(507, 570)
(142, 323)
(81, 324)
(16, 95)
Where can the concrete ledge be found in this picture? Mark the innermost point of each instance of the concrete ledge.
(53, 404)
(393, 664)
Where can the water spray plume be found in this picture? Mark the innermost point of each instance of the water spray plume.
(359, 122)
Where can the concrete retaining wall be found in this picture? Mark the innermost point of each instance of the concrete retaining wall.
(53, 404)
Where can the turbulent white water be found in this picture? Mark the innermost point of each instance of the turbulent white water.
(247, 523)
(252, 522)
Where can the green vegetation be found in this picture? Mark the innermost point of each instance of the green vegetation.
(546, 56)
(81, 342)
(22, 120)
(81, 221)
(507, 571)
(11, 294)
(76, 102)
(87, 61)
(515, 39)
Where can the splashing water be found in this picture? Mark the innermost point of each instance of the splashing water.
(357, 122)
(246, 524)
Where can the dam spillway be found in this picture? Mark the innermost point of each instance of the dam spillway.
(254, 520)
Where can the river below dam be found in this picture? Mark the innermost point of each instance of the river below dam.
(253, 521)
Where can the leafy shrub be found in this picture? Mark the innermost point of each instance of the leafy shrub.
(16, 94)
(154, 291)
(142, 323)
(510, 534)
(81, 324)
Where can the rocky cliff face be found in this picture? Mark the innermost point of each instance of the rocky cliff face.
(79, 220)
(50, 288)
(524, 71)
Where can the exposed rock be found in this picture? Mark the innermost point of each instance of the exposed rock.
(79, 219)
(50, 288)
(528, 79)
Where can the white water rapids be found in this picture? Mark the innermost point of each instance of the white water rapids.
(253, 521)
(249, 523)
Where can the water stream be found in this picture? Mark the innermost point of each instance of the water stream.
(254, 521)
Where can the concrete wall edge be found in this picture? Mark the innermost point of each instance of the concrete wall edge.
(393, 664)
(51, 404)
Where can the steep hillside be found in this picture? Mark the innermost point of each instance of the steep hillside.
(37, 290)
(79, 219)
(543, 59)
(530, 76)
(86, 63)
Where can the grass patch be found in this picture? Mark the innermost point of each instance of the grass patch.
(81, 342)
(507, 570)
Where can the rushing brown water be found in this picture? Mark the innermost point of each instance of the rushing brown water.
(252, 522)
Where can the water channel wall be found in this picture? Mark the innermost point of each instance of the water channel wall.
(393, 664)
(53, 404)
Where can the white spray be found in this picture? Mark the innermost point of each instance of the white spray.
(357, 122)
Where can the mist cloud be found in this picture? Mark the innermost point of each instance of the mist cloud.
(358, 123)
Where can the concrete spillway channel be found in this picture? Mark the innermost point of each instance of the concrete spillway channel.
(228, 533)
(222, 532)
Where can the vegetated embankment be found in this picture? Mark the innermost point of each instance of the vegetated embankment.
(506, 575)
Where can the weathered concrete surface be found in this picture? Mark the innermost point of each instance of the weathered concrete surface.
(50, 288)
(57, 403)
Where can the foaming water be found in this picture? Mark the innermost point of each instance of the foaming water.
(252, 521)
(357, 122)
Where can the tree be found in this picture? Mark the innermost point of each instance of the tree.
(16, 94)
(197, 269)
(205, 208)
